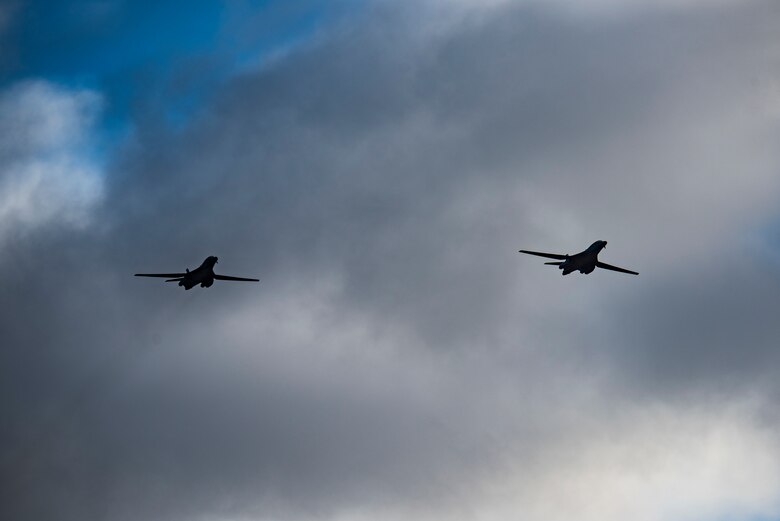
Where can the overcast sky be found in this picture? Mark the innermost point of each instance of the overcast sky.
(377, 164)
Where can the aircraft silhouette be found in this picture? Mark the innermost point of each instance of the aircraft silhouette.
(203, 275)
(584, 261)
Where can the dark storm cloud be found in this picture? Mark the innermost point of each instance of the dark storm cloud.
(379, 182)
(710, 329)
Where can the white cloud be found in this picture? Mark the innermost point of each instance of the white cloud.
(658, 463)
(48, 172)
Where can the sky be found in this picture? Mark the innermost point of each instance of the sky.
(377, 164)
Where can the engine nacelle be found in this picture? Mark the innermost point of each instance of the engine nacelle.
(188, 285)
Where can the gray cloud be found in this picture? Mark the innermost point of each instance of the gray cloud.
(399, 358)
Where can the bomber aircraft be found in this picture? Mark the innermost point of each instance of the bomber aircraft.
(584, 262)
(203, 275)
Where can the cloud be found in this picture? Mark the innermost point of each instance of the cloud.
(48, 173)
(399, 359)
(589, 9)
(664, 464)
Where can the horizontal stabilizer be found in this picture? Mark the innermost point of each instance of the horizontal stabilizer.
(175, 280)
(554, 263)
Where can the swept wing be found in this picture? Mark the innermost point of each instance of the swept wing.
(606, 266)
(240, 279)
(161, 275)
(548, 255)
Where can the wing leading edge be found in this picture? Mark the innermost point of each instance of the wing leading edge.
(606, 266)
(548, 255)
(239, 279)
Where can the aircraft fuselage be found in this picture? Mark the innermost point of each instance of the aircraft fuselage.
(203, 275)
(585, 261)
